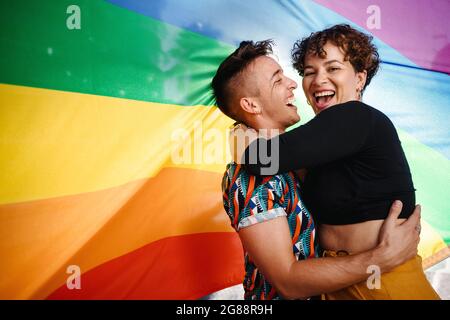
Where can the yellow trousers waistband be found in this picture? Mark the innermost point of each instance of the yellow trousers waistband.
(405, 282)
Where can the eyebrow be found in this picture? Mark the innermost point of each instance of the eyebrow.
(326, 63)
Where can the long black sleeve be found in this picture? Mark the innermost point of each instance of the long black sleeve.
(335, 133)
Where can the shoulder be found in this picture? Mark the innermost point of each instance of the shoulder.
(353, 111)
(377, 116)
(250, 199)
(350, 107)
(358, 107)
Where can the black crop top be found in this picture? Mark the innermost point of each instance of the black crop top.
(356, 165)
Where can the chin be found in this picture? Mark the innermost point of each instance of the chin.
(294, 121)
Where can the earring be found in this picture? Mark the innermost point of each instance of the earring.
(358, 91)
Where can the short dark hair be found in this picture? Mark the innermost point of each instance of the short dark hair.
(225, 80)
(358, 47)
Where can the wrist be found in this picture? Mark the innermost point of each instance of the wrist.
(381, 257)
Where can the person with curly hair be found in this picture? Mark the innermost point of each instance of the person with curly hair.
(277, 231)
(354, 161)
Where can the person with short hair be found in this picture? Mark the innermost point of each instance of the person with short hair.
(354, 161)
(277, 231)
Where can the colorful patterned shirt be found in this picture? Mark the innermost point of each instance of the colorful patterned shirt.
(249, 199)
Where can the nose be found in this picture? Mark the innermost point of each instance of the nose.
(292, 85)
(320, 78)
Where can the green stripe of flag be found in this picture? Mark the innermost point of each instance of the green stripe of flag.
(431, 177)
(116, 53)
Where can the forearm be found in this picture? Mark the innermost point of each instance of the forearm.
(315, 276)
(322, 140)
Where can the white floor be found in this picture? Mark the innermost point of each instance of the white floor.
(438, 275)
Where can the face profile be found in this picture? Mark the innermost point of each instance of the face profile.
(274, 99)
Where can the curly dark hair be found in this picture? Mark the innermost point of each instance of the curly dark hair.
(358, 47)
(225, 82)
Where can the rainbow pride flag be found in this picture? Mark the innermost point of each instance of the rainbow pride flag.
(98, 99)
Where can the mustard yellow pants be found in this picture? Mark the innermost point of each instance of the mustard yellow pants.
(405, 282)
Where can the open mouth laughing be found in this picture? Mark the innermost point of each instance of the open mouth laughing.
(290, 103)
(323, 98)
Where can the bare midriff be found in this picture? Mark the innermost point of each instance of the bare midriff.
(352, 238)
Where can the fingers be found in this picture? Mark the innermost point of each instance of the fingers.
(238, 126)
(394, 212)
(243, 126)
(240, 137)
(414, 219)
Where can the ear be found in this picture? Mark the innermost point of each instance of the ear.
(362, 77)
(250, 105)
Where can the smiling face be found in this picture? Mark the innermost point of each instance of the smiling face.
(331, 80)
(274, 99)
